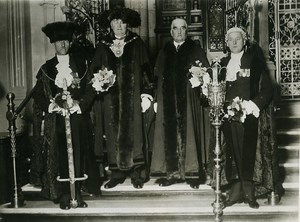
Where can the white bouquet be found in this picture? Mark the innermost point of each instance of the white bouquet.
(103, 80)
(199, 77)
(236, 111)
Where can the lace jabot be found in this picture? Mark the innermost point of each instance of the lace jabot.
(63, 78)
(234, 66)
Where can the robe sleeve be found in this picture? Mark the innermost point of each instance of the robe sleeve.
(158, 71)
(39, 96)
(265, 93)
(148, 83)
(89, 96)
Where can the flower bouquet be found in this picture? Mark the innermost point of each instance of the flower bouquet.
(236, 111)
(103, 80)
(64, 100)
(199, 77)
(62, 103)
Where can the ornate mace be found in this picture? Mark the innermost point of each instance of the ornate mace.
(216, 99)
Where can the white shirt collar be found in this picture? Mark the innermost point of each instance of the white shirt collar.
(177, 43)
(120, 37)
(237, 56)
(64, 59)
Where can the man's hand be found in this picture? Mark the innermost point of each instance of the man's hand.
(155, 107)
(194, 81)
(251, 108)
(53, 107)
(75, 108)
(146, 102)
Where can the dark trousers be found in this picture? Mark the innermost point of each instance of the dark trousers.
(242, 190)
(241, 142)
(137, 173)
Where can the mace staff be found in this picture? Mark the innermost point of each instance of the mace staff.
(216, 99)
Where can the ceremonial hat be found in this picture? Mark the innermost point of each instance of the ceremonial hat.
(127, 15)
(58, 31)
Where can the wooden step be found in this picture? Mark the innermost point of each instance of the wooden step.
(166, 204)
(288, 123)
(288, 138)
(288, 108)
(288, 154)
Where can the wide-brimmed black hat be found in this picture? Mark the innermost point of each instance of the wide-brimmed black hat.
(127, 15)
(58, 31)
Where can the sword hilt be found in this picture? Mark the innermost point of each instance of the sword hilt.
(72, 180)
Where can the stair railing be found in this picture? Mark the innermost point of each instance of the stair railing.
(11, 115)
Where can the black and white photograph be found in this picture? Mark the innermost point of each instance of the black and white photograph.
(149, 110)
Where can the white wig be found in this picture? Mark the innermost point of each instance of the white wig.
(236, 29)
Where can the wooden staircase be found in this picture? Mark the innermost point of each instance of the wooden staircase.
(288, 138)
(152, 203)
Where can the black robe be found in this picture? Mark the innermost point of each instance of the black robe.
(255, 158)
(55, 161)
(117, 112)
(177, 145)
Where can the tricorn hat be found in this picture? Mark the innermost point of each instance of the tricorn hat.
(58, 31)
(127, 15)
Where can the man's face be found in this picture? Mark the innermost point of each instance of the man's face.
(235, 42)
(179, 30)
(62, 47)
(119, 28)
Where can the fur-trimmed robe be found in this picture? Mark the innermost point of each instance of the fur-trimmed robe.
(118, 112)
(259, 161)
(55, 162)
(176, 149)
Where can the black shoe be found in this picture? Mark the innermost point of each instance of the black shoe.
(64, 202)
(82, 204)
(64, 205)
(92, 192)
(253, 204)
(114, 182)
(137, 184)
(229, 203)
(194, 183)
(164, 182)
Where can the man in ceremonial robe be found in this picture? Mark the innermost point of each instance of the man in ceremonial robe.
(177, 141)
(248, 80)
(118, 110)
(64, 73)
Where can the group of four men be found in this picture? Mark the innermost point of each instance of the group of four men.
(119, 126)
